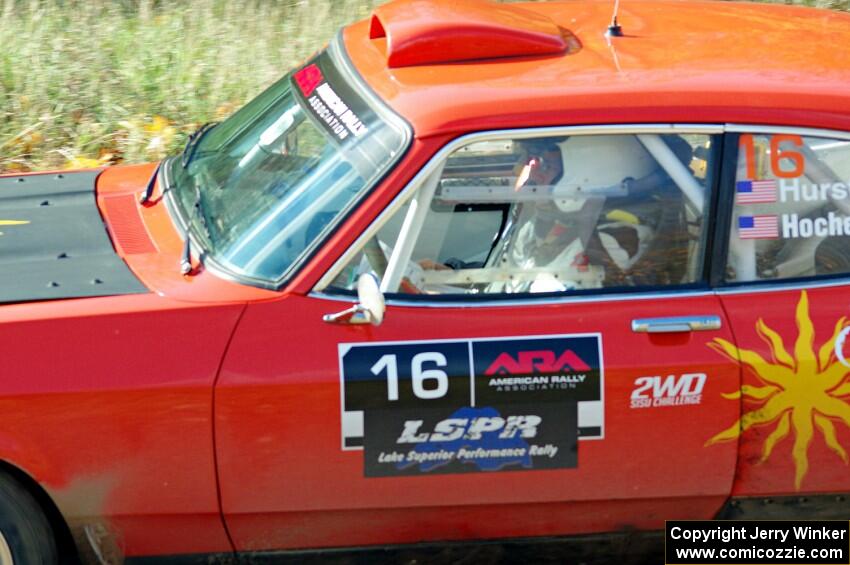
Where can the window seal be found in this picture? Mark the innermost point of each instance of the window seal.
(790, 130)
(778, 285)
(723, 211)
(513, 300)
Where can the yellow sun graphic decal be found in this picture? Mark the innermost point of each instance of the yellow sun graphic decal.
(800, 392)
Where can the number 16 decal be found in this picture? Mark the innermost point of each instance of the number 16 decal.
(419, 375)
(786, 162)
(400, 376)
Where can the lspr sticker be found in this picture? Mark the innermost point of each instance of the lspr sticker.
(417, 442)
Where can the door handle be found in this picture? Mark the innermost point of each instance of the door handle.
(676, 324)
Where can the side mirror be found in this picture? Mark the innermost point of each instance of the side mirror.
(370, 304)
(371, 298)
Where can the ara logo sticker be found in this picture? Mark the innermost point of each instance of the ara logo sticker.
(538, 369)
(543, 361)
(672, 390)
(800, 393)
(402, 399)
(344, 120)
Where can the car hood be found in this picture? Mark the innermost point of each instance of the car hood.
(54, 243)
(147, 238)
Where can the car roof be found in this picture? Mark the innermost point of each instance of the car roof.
(678, 61)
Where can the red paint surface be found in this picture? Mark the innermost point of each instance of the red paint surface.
(478, 522)
(108, 402)
(679, 61)
(160, 270)
(421, 32)
(826, 471)
(282, 370)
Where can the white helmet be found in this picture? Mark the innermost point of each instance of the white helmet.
(596, 166)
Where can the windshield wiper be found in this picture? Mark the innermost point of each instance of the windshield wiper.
(146, 196)
(197, 213)
(193, 141)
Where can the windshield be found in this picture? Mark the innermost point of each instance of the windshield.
(265, 186)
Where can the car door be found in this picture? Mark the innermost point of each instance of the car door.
(546, 364)
(787, 297)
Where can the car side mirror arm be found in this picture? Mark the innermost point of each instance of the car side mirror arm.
(369, 308)
(357, 314)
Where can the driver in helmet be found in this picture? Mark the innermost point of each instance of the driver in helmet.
(588, 212)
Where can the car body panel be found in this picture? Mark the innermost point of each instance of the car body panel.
(421, 33)
(124, 446)
(207, 415)
(795, 436)
(293, 395)
(113, 440)
(147, 239)
(698, 81)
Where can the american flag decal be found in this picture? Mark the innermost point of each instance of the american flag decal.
(758, 227)
(755, 191)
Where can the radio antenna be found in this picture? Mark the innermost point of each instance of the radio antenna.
(614, 30)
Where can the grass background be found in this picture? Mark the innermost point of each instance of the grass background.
(93, 82)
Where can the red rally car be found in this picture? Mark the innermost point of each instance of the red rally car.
(472, 272)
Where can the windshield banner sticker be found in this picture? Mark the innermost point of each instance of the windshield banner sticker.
(481, 405)
(330, 100)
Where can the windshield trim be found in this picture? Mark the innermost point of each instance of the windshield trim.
(340, 58)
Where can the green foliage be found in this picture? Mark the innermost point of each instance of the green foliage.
(88, 82)
(112, 81)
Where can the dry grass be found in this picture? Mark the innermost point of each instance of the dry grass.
(84, 81)
(87, 82)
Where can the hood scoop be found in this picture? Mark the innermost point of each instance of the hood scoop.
(433, 32)
(54, 243)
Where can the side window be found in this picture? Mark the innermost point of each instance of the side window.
(549, 214)
(791, 216)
